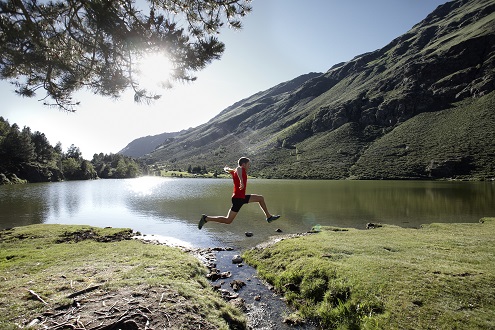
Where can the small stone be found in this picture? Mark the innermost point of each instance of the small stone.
(225, 275)
(248, 234)
(237, 259)
(213, 276)
(278, 230)
(236, 285)
(239, 303)
(34, 322)
(227, 295)
(371, 225)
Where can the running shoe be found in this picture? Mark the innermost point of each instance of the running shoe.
(202, 221)
(272, 218)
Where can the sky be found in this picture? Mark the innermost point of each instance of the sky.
(280, 40)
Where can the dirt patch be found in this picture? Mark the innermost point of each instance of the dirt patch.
(131, 308)
(6, 235)
(90, 234)
(127, 309)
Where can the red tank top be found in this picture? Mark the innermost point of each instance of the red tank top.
(237, 192)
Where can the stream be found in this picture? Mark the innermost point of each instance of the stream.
(264, 309)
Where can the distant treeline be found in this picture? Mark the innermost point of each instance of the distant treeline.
(197, 169)
(29, 157)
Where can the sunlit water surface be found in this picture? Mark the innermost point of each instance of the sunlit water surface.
(170, 209)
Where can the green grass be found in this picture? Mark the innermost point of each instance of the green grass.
(462, 135)
(53, 263)
(438, 277)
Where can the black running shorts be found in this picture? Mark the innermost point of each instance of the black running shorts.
(237, 203)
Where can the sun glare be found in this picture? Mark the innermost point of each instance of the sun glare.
(155, 71)
(144, 186)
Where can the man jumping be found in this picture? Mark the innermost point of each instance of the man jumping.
(239, 197)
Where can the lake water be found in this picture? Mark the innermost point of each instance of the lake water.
(171, 208)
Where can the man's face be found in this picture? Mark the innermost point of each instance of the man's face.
(246, 165)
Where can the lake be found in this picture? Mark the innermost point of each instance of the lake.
(170, 208)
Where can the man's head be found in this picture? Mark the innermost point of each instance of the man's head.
(243, 161)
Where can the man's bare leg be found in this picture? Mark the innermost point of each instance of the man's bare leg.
(221, 219)
(261, 200)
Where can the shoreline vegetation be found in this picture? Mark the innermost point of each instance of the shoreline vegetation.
(27, 157)
(82, 277)
(439, 276)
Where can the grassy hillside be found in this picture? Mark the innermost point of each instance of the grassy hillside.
(458, 142)
(420, 107)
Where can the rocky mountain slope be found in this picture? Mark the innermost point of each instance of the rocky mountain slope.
(145, 145)
(421, 107)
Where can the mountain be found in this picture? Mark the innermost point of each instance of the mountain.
(144, 145)
(422, 107)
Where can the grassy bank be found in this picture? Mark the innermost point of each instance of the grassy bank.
(86, 277)
(438, 277)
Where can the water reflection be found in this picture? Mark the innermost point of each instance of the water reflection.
(172, 207)
(144, 186)
(33, 210)
(63, 198)
(353, 203)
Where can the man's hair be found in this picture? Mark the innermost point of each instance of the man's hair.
(243, 160)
